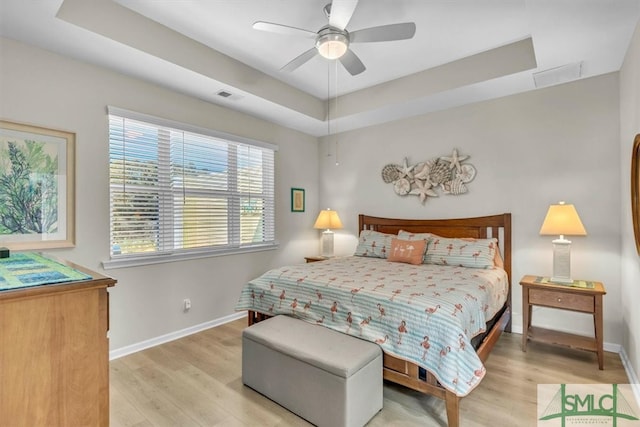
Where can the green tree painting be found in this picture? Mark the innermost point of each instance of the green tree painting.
(28, 188)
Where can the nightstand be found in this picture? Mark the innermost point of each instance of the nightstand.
(315, 258)
(564, 297)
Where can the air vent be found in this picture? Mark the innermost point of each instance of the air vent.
(554, 76)
(228, 95)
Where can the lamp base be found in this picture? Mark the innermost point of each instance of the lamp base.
(561, 261)
(327, 243)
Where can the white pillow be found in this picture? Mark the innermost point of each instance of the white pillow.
(474, 253)
(373, 244)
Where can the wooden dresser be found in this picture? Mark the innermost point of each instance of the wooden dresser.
(54, 353)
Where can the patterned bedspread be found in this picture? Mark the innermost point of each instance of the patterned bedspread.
(426, 314)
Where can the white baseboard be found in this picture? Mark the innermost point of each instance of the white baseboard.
(631, 374)
(133, 348)
(611, 347)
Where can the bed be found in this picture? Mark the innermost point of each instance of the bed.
(436, 319)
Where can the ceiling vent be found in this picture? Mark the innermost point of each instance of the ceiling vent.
(554, 76)
(228, 95)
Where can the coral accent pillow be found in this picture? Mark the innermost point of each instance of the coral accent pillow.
(427, 237)
(407, 251)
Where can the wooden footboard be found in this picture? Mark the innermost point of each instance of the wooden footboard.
(408, 374)
(255, 317)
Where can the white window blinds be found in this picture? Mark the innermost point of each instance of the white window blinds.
(176, 189)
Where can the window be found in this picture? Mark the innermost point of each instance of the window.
(177, 191)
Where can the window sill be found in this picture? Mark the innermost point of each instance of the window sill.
(125, 262)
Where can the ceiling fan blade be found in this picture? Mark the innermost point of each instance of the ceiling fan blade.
(301, 59)
(352, 63)
(283, 29)
(341, 13)
(384, 33)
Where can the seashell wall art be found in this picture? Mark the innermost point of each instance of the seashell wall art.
(449, 173)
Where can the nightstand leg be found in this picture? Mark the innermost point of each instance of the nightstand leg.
(597, 323)
(526, 317)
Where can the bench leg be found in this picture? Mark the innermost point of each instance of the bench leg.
(453, 409)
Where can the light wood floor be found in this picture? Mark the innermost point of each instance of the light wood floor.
(196, 381)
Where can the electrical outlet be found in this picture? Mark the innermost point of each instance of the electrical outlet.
(186, 304)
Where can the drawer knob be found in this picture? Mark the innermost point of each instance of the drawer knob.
(559, 299)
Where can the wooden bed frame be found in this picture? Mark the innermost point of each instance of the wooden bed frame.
(408, 374)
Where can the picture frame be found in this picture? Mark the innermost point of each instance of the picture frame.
(635, 190)
(37, 170)
(297, 200)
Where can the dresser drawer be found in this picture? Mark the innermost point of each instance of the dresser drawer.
(563, 300)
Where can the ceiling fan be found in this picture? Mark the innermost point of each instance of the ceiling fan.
(332, 41)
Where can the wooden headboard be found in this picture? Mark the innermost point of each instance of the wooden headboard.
(498, 226)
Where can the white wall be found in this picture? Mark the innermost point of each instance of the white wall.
(49, 90)
(629, 127)
(530, 150)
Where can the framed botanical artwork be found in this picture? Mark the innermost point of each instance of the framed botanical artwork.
(297, 200)
(37, 187)
(635, 190)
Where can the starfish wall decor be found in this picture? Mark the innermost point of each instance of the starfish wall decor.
(448, 173)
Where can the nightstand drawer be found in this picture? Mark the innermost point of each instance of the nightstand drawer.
(561, 299)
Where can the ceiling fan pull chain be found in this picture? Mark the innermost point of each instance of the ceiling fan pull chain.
(336, 110)
(328, 109)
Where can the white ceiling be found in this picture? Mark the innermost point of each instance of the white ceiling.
(463, 51)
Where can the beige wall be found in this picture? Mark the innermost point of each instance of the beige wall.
(49, 90)
(530, 150)
(630, 272)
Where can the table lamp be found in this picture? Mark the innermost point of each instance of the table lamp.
(327, 220)
(562, 220)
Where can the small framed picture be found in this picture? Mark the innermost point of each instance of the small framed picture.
(297, 200)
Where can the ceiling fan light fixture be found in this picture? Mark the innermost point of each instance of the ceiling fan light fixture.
(332, 45)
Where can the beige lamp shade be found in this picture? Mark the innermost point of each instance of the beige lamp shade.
(562, 220)
(327, 220)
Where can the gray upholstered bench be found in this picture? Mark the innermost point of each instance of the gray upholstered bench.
(326, 377)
